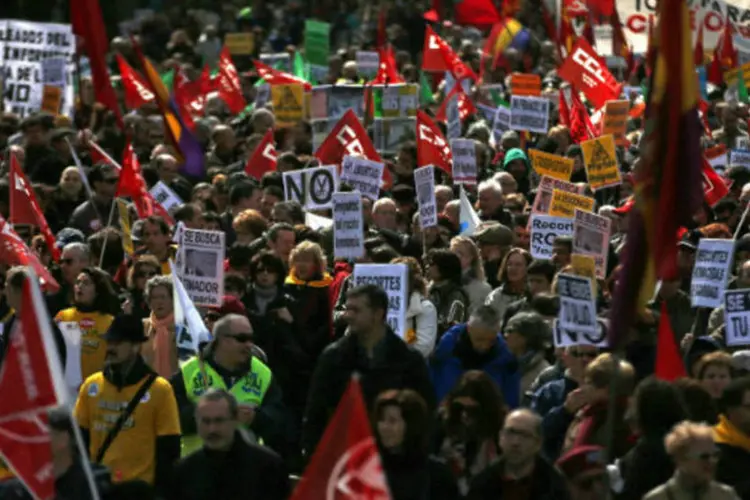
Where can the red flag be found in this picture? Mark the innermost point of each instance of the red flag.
(98, 155)
(669, 365)
(32, 383)
(479, 13)
(714, 74)
(382, 37)
(573, 115)
(432, 148)
(439, 56)
(14, 252)
(698, 55)
(714, 187)
(24, 207)
(186, 93)
(276, 77)
(137, 92)
(263, 158)
(133, 185)
(346, 463)
(349, 137)
(387, 72)
(603, 7)
(727, 53)
(465, 106)
(230, 88)
(586, 71)
(86, 18)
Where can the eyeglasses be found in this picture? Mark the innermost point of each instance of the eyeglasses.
(146, 274)
(262, 270)
(242, 338)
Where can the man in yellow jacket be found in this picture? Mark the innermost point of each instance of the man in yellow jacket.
(147, 443)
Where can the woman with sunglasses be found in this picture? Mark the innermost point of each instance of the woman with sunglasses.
(470, 419)
(144, 268)
(401, 422)
(695, 456)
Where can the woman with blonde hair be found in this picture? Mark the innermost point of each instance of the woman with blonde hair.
(421, 315)
(472, 271)
(513, 281)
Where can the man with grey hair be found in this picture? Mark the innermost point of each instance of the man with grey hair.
(227, 466)
(528, 336)
(443, 194)
(491, 203)
(228, 363)
(507, 182)
(476, 345)
(74, 257)
(262, 119)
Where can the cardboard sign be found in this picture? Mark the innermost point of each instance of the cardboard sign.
(288, 103)
(564, 204)
(501, 123)
(737, 317)
(711, 272)
(452, 119)
(393, 279)
(348, 226)
(165, 196)
(544, 192)
(424, 182)
(399, 101)
(240, 44)
(615, 119)
(601, 162)
(529, 113)
(200, 266)
(313, 188)
(584, 265)
(464, 161)
(544, 230)
(362, 175)
(577, 304)
(368, 62)
(526, 84)
(555, 166)
(591, 238)
(741, 158)
(566, 338)
(51, 99)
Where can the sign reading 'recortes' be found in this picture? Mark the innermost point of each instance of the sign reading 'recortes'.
(712, 14)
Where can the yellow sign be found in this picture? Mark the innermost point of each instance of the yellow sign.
(127, 239)
(730, 77)
(51, 99)
(557, 167)
(240, 44)
(615, 120)
(584, 265)
(288, 103)
(564, 204)
(601, 162)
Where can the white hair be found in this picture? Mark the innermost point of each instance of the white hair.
(490, 185)
(381, 202)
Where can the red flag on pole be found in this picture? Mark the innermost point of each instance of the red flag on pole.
(276, 77)
(263, 158)
(439, 56)
(230, 89)
(585, 70)
(465, 106)
(699, 59)
(669, 365)
(31, 383)
(13, 251)
(432, 148)
(98, 155)
(137, 92)
(24, 207)
(346, 463)
(714, 187)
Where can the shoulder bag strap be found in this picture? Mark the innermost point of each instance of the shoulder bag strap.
(115, 430)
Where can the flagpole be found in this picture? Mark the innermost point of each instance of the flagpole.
(83, 456)
(106, 238)
(742, 221)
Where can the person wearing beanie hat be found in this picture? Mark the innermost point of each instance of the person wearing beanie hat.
(585, 471)
(147, 442)
(517, 164)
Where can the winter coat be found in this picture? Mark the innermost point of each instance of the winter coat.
(421, 324)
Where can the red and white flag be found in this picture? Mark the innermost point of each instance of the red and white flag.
(439, 56)
(573, 115)
(587, 72)
(432, 148)
(263, 159)
(98, 155)
(230, 88)
(346, 464)
(276, 77)
(387, 71)
(14, 252)
(465, 106)
(137, 92)
(32, 383)
(24, 207)
(714, 187)
(349, 137)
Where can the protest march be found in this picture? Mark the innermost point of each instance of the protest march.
(394, 250)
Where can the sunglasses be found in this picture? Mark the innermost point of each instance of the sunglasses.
(459, 408)
(262, 270)
(111, 180)
(242, 338)
(146, 274)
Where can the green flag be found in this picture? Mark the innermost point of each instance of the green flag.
(168, 78)
(425, 92)
(741, 88)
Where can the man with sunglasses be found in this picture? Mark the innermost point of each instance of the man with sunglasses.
(228, 363)
(559, 400)
(90, 216)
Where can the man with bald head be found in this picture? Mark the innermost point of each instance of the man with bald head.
(224, 151)
(168, 171)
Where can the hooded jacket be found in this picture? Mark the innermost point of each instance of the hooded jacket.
(455, 355)
(734, 462)
(518, 154)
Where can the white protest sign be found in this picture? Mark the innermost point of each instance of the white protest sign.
(317, 222)
(711, 271)
(23, 47)
(279, 60)
(544, 230)
(529, 113)
(362, 175)
(452, 119)
(737, 317)
(464, 161)
(577, 304)
(399, 101)
(501, 124)
(54, 71)
(200, 266)
(393, 279)
(164, 196)
(348, 227)
(591, 237)
(368, 62)
(313, 188)
(742, 143)
(737, 157)
(567, 338)
(488, 112)
(72, 335)
(262, 95)
(544, 193)
(342, 98)
(424, 183)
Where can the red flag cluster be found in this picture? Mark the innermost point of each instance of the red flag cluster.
(15, 252)
(585, 70)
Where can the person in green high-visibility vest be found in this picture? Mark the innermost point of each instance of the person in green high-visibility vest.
(228, 363)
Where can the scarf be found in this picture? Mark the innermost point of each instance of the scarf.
(163, 345)
(264, 296)
(726, 433)
(321, 282)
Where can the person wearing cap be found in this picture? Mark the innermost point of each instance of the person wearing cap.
(494, 241)
(585, 472)
(528, 336)
(517, 164)
(90, 216)
(229, 363)
(148, 442)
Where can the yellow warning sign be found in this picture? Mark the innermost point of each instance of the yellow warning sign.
(240, 44)
(564, 204)
(557, 167)
(601, 162)
(51, 99)
(288, 103)
(584, 265)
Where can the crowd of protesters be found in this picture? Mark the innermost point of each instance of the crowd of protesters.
(475, 402)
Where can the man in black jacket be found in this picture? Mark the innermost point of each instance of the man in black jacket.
(371, 349)
(732, 435)
(227, 466)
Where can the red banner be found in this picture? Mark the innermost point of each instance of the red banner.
(714, 187)
(587, 72)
